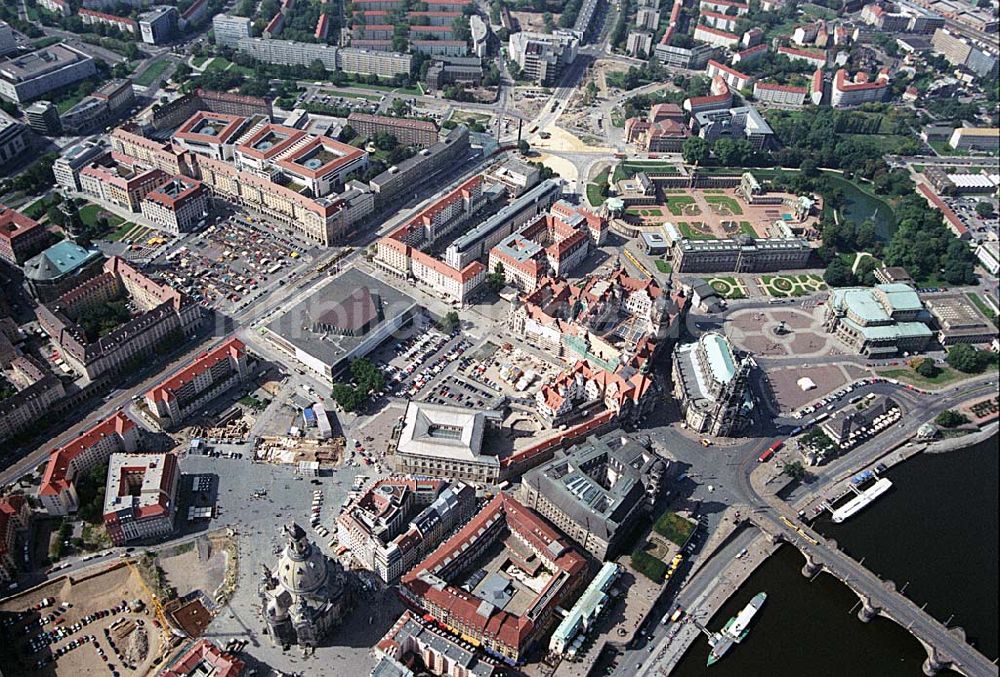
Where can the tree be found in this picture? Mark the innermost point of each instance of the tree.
(385, 141)
(837, 274)
(968, 359)
(523, 147)
(950, 418)
(795, 470)
(450, 322)
(695, 151)
(984, 209)
(497, 279)
(927, 368)
(400, 107)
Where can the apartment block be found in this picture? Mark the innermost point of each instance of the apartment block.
(119, 186)
(122, 23)
(37, 391)
(780, 95)
(15, 517)
(397, 521)
(733, 77)
(57, 492)
(209, 375)
(422, 133)
(450, 152)
(846, 93)
(140, 497)
(716, 37)
(177, 205)
(160, 314)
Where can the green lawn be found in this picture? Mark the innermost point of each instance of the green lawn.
(678, 205)
(818, 11)
(594, 196)
(944, 377)
(644, 211)
(154, 71)
(674, 528)
(724, 202)
(783, 286)
(664, 266)
(727, 287)
(120, 232)
(90, 213)
(65, 104)
(345, 93)
(688, 231)
(747, 229)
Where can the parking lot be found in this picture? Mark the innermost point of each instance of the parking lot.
(511, 371)
(965, 208)
(413, 363)
(230, 264)
(95, 625)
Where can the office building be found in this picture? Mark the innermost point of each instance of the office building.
(20, 236)
(516, 176)
(740, 255)
(13, 140)
(496, 607)
(737, 123)
(446, 70)
(978, 57)
(446, 441)
(177, 205)
(306, 595)
(445, 155)
(99, 109)
(160, 314)
(397, 521)
(7, 42)
(214, 135)
(60, 268)
(29, 76)
(595, 491)
(878, 322)
(421, 133)
(475, 244)
(209, 375)
(571, 633)
(57, 492)
(413, 641)
(229, 29)
(543, 57)
(693, 58)
(74, 159)
(140, 497)
(43, 117)
(158, 25)
(711, 385)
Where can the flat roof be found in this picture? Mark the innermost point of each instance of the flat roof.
(296, 325)
(40, 62)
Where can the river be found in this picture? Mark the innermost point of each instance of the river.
(916, 533)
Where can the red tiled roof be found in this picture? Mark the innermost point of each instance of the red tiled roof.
(726, 69)
(14, 224)
(949, 214)
(804, 53)
(230, 124)
(508, 629)
(345, 154)
(202, 363)
(716, 31)
(841, 83)
(54, 480)
(201, 653)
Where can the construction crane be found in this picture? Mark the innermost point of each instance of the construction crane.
(157, 607)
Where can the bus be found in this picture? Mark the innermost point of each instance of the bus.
(769, 452)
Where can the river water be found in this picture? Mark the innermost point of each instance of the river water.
(936, 529)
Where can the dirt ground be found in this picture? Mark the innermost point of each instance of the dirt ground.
(533, 21)
(99, 591)
(199, 565)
